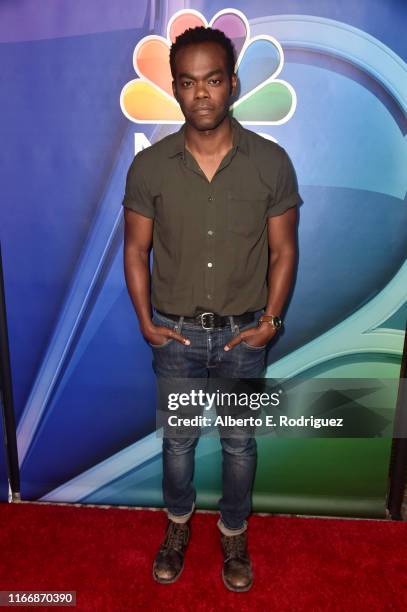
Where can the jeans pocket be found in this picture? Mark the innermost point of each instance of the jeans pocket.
(157, 320)
(164, 344)
(253, 348)
(248, 326)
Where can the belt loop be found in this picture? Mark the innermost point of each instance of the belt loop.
(178, 326)
(233, 326)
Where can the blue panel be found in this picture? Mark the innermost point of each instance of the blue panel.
(60, 147)
(3, 465)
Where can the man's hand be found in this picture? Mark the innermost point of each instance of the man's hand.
(159, 334)
(255, 336)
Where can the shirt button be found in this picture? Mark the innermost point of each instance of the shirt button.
(209, 296)
(210, 232)
(210, 264)
(210, 198)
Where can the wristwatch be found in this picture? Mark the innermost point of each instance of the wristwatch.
(274, 321)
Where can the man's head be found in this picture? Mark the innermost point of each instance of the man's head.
(202, 62)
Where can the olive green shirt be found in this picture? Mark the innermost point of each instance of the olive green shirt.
(210, 243)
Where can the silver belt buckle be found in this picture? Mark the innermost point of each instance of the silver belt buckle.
(205, 314)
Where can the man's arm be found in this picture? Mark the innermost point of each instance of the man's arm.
(138, 235)
(282, 239)
(283, 250)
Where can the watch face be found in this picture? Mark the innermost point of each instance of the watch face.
(277, 322)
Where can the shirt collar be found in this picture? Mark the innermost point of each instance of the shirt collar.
(239, 139)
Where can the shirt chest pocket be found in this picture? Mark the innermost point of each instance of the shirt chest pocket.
(247, 212)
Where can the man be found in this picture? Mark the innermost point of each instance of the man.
(219, 205)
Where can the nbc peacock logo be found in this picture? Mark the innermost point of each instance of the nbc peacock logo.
(262, 98)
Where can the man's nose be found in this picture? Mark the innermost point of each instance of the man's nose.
(201, 90)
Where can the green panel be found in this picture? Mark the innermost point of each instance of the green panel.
(340, 477)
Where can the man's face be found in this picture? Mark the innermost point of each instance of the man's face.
(202, 85)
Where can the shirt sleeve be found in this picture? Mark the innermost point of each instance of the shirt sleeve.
(286, 192)
(137, 195)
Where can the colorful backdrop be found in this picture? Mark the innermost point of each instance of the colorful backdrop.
(82, 91)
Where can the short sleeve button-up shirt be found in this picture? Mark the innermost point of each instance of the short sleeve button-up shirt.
(210, 244)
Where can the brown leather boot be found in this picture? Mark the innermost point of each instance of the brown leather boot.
(237, 568)
(169, 561)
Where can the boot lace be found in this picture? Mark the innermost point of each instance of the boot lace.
(176, 536)
(235, 546)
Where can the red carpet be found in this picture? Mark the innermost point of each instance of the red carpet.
(105, 555)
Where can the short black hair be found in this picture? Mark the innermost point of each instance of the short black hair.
(200, 34)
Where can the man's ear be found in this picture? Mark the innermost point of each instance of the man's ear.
(233, 84)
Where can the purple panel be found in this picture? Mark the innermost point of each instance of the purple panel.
(30, 20)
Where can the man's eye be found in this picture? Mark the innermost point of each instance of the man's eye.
(186, 83)
(215, 81)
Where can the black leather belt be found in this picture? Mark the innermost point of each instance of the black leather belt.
(211, 320)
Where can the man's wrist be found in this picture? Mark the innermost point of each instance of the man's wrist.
(271, 319)
(146, 326)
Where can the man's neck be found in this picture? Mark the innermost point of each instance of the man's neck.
(210, 143)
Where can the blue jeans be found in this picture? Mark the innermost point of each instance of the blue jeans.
(205, 358)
